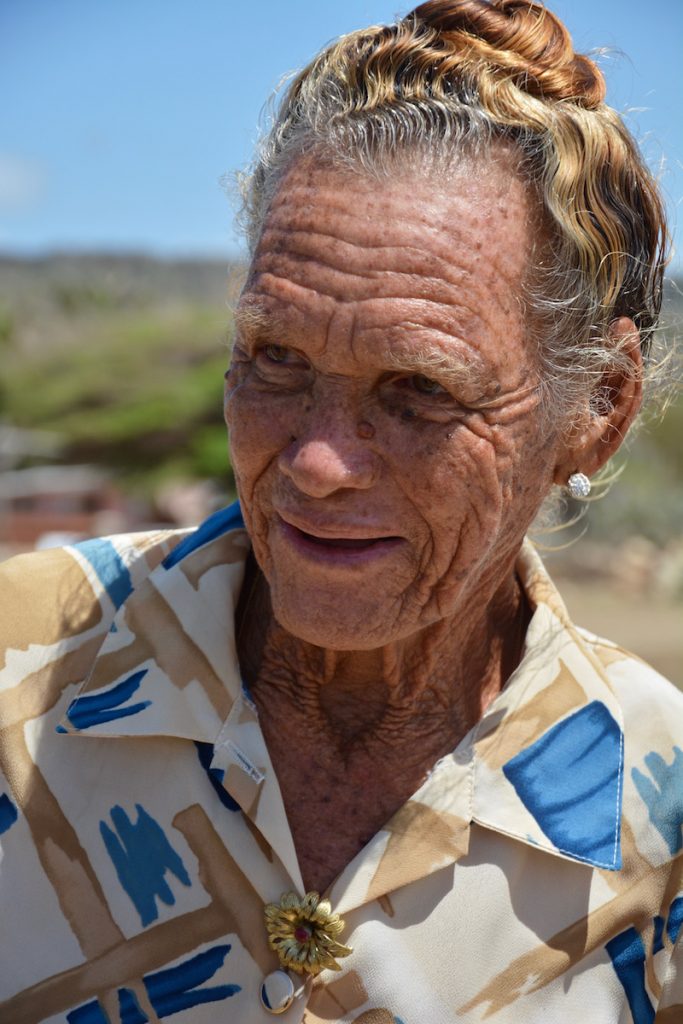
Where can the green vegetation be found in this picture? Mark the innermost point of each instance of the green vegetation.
(141, 395)
(136, 386)
(647, 498)
(6, 328)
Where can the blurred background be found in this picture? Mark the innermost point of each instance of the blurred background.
(122, 124)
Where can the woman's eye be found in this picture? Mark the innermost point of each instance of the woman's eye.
(281, 366)
(425, 385)
(275, 353)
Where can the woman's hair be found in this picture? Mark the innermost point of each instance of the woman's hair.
(456, 78)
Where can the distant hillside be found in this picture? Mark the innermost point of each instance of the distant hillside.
(122, 357)
(132, 276)
(41, 298)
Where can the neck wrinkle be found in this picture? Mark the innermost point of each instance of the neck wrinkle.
(430, 689)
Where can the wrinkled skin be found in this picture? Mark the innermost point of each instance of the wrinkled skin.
(383, 398)
(350, 274)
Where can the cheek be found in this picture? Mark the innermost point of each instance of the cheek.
(531, 468)
(259, 431)
(459, 466)
(467, 490)
(454, 482)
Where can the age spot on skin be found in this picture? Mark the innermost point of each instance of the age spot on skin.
(365, 430)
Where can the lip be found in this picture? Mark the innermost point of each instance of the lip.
(347, 544)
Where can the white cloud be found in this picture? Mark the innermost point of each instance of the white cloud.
(22, 182)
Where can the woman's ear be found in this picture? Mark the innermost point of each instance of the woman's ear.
(615, 403)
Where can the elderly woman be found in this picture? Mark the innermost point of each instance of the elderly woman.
(340, 754)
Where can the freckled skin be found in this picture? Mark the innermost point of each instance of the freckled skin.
(380, 668)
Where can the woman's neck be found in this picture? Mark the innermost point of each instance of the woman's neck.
(352, 735)
(437, 682)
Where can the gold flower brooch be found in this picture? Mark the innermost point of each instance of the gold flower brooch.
(304, 932)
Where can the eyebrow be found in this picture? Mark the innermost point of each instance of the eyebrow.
(252, 320)
(427, 360)
(437, 365)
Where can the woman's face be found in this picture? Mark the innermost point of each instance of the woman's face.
(386, 430)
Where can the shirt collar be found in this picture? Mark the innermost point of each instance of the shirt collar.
(548, 753)
(544, 765)
(168, 665)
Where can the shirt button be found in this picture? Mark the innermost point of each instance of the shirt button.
(277, 992)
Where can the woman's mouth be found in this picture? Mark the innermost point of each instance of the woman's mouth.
(340, 542)
(342, 550)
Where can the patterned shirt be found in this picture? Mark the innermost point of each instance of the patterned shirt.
(534, 877)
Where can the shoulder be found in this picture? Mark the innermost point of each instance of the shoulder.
(56, 606)
(652, 710)
(54, 600)
(645, 726)
(652, 713)
(644, 695)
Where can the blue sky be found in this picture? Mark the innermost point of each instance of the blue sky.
(119, 117)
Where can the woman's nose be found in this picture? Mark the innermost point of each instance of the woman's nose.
(323, 461)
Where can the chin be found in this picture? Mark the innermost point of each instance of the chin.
(341, 625)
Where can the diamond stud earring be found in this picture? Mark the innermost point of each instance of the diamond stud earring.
(578, 485)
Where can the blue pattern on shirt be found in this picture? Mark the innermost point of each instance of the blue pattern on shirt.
(569, 780)
(142, 855)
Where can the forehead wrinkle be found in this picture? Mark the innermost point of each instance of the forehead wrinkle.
(307, 233)
(344, 294)
(459, 223)
(439, 281)
(274, 299)
(300, 246)
(296, 216)
(343, 319)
